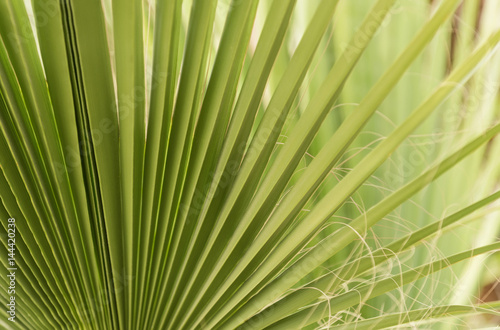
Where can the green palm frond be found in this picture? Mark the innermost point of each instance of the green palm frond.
(223, 164)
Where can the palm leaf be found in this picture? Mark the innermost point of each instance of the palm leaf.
(221, 164)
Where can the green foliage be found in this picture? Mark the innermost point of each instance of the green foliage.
(222, 164)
